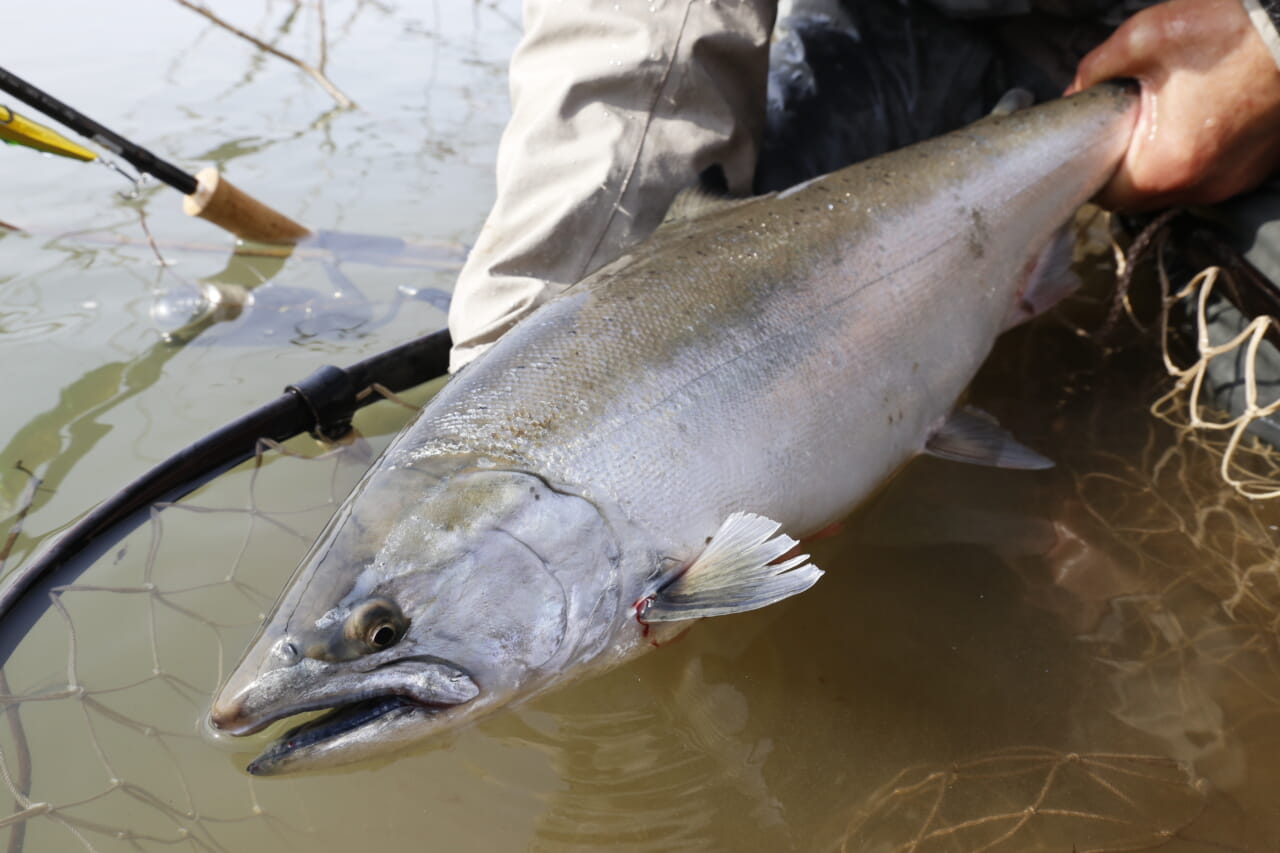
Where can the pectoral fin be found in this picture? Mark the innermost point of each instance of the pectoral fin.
(973, 436)
(736, 572)
(1050, 281)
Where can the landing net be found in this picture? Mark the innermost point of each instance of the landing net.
(105, 751)
(1228, 361)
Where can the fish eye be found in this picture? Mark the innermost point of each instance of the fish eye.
(376, 623)
(382, 636)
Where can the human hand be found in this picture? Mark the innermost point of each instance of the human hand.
(1209, 126)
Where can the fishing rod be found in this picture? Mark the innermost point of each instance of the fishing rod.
(323, 403)
(206, 194)
(137, 156)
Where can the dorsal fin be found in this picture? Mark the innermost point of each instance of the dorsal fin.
(697, 201)
(1013, 100)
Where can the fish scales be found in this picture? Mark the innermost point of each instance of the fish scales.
(772, 332)
(622, 460)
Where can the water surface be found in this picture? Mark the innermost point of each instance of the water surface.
(1083, 658)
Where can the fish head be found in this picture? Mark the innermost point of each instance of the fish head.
(428, 601)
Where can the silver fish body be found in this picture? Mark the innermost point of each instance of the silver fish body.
(780, 356)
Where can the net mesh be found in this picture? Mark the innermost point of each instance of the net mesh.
(1247, 463)
(145, 637)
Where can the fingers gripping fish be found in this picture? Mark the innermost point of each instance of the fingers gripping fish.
(623, 461)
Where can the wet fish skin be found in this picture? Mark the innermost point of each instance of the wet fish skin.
(781, 356)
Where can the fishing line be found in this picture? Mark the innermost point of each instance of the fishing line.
(136, 181)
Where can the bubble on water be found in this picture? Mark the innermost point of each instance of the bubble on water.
(187, 305)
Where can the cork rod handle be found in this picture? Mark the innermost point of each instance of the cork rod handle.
(219, 201)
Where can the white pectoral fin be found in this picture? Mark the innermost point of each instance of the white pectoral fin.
(971, 435)
(736, 572)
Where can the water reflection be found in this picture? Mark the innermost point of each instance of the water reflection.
(1030, 799)
(1006, 661)
(55, 441)
(995, 660)
(243, 306)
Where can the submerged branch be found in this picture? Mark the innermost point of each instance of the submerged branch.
(324, 38)
(27, 500)
(315, 73)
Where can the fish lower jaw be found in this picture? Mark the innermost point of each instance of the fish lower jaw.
(333, 738)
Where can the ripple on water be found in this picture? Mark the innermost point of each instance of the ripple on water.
(31, 308)
(21, 324)
(631, 782)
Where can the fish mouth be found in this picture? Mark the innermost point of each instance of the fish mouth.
(365, 707)
(338, 723)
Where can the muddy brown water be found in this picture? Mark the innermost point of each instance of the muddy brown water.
(1083, 658)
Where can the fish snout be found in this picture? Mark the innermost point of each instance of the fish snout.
(262, 689)
(237, 709)
(244, 706)
(229, 709)
(225, 715)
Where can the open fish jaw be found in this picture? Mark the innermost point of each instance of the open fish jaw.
(427, 685)
(329, 730)
(358, 717)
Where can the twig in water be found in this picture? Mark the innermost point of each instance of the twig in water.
(165, 267)
(324, 39)
(28, 498)
(315, 73)
(151, 241)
